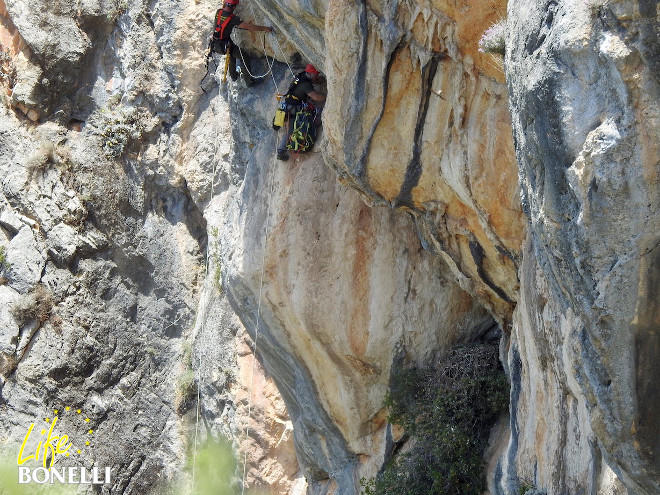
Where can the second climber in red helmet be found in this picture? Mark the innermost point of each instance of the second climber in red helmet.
(221, 42)
(300, 90)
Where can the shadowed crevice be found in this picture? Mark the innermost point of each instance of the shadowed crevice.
(478, 256)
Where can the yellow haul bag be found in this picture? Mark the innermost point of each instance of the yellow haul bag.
(279, 117)
(280, 113)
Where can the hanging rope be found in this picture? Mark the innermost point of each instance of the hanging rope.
(270, 64)
(256, 334)
(284, 57)
(208, 256)
(245, 65)
(261, 285)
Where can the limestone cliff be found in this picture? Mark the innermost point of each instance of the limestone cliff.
(583, 80)
(152, 246)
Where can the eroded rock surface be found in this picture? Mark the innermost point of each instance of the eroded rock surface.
(152, 224)
(584, 91)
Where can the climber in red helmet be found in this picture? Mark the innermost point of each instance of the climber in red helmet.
(301, 90)
(225, 22)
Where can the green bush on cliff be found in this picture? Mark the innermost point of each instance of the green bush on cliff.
(447, 412)
(4, 264)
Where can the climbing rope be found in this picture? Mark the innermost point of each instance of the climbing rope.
(270, 64)
(261, 280)
(284, 57)
(256, 334)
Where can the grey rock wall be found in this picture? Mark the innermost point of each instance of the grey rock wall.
(147, 228)
(105, 253)
(583, 84)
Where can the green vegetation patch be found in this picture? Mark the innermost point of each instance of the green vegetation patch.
(37, 305)
(492, 41)
(447, 411)
(4, 264)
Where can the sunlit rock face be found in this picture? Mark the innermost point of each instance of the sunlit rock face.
(422, 124)
(331, 322)
(401, 235)
(583, 80)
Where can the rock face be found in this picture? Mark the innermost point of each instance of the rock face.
(583, 81)
(104, 257)
(163, 272)
(423, 124)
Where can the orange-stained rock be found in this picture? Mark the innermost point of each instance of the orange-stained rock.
(422, 124)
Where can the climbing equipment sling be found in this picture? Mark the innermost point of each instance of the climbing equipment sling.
(304, 131)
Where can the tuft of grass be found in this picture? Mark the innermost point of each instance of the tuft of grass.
(4, 264)
(186, 392)
(492, 41)
(37, 305)
(447, 412)
(47, 154)
(186, 386)
(120, 7)
(8, 364)
(41, 159)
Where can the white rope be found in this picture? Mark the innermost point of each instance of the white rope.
(261, 286)
(284, 56)
(270, 64)
(245, 65)
(256, 332)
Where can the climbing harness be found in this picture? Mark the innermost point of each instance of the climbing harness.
(221, 23)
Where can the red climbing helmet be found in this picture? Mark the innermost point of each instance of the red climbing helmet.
(311, 70)
(233, 3)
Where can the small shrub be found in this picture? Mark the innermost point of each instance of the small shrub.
(118, 128)
(492, 41)
(120, 7)
(368, 487)
(186, 391)
(41, 159)
(4, 264)
(217, 277)
(448, 413)
(187, 355)
(47, 154)
(37, 305)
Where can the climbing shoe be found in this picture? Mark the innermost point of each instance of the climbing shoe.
(282, 155)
